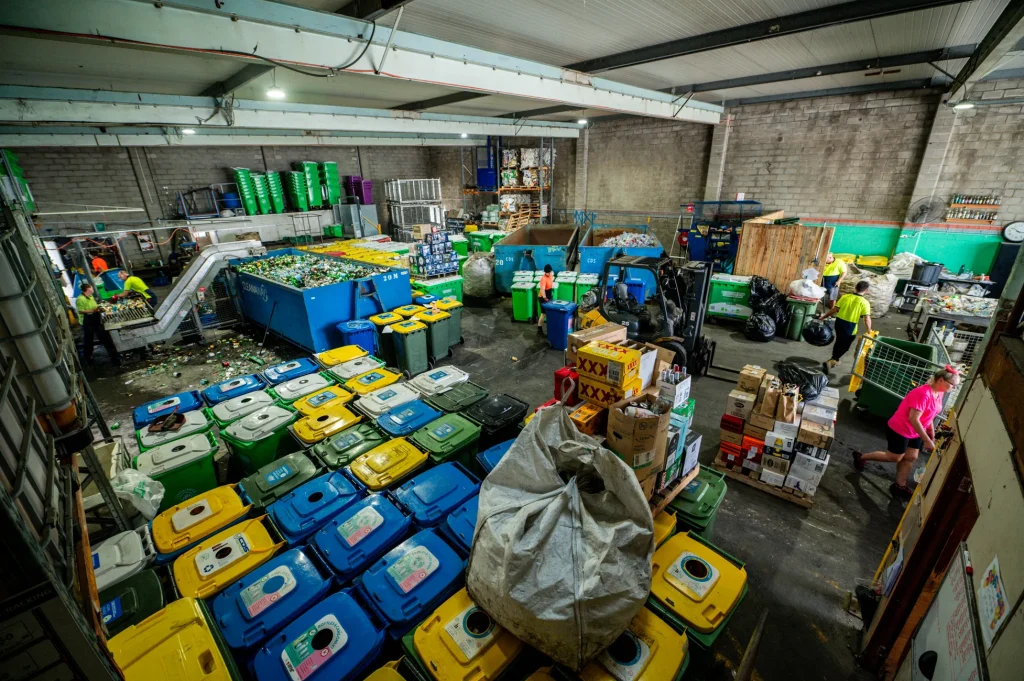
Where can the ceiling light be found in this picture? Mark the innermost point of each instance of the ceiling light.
(960, 106)
(188, 131)
(275, 93)
(582, 121)
(464, 135)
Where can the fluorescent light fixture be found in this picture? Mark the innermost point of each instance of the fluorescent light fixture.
(275, 93)
(961, 106)
(582, 121)
(188, 131)
(464, 135)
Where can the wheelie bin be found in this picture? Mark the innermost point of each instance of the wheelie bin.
(410, 339)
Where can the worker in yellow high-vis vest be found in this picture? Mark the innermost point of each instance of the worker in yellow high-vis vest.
(835, 272)
(133, 284)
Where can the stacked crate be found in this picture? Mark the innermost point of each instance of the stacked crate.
(259, 183)
(331, 181)
(276, 190)
(246, 190)
(314, 190)
(296, 190)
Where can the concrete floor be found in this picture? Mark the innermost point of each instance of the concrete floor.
(800, 563)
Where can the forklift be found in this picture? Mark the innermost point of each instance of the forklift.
(672, 317)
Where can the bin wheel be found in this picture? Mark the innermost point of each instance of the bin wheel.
(462, 340)
(408, 376)
(450, 353)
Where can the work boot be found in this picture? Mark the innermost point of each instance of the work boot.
(827, 366)
(900, 491)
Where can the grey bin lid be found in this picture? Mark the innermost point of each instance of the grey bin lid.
(260, 424)
(243, 405)
(174, 455)
(195, 421)
(356, 367)
(122, 556)
(300, 387)
(382, 399)
(437, 381)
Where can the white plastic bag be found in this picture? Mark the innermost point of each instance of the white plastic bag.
(478, 275)
(805, 288)
(144, 492)
(564, 540)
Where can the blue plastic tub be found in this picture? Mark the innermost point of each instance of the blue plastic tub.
(359, 332)
(490, 457)
(459, 527)
(233, 387)
(335, 637)
(180, 403)
(286, 371)
(259, 604)
(231, 200)
(306, 508)
(561, 315)
(407, 418)
(359, 535)
(433, 494)
(637, 288)
(411, 580)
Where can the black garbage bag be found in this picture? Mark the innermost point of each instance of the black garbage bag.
(760, 291)
(811, 382)
(818, 332)
(760, 327)
(778, 308)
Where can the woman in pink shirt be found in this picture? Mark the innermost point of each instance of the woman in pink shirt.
(911, 427)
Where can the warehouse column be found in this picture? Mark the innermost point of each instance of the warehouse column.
(930, 171)
(147, 187)
(716, 162)
(582, 150)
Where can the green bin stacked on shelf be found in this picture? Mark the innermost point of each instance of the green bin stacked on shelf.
(314, 192)
(18, 179)
(276, 190)
(331, 180)
(259, 182)
(295, 187)
(246, 190)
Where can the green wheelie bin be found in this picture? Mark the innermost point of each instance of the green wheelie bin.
(449, 438)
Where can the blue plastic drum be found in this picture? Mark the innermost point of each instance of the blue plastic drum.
(359, 535)
(306, 508)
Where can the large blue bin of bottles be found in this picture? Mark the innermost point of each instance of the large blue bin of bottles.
(593, 255)
(531, 248)
(303, 296)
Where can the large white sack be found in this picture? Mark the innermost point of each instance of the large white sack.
(563, 564)
(879, 294)
(478, 275)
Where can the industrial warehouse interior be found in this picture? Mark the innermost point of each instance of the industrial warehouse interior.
(575, 340)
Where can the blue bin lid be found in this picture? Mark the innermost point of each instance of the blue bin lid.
(360, 534)
(354, 642)
(233, 387)
(406, 418)
(490, 457)
(286, 371)
(306, 508)
(561, 306)
(411, 580)
(435, 493)
(424, 299)
(180, 402)
(260, 603)
(461, 524)
(356, 325)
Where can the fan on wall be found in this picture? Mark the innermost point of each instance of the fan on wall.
(931, 209)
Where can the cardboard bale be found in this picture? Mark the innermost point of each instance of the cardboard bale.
(605, 395)
(640, 441)
(775, 464)
(730, 437)
(815, 434)
(750, 378)
(740, 404)
(761, 421)
(589, 418)
(609, 331)
(616, 364)
(769, 477)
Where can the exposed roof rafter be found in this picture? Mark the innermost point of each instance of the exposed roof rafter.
(370, 10)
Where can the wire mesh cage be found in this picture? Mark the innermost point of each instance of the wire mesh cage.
(415, 214)
(961, 346)
(413, 191)
(216, 309)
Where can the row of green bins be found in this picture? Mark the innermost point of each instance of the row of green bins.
(296, 190)
(259, 183)
(341, 449)
(453, 308)
(801, 311)
(460, 244)
(384, 337)
(184, 467)
(261, 437)
(451, 437)
(276, 190)
(584, 283)
(696, 507)
(246, 190)
(442, 287)
(459, 397)
(438, 325)
(314, 191)
(331, 180)
(524, 295)
(565, 286)
(410, 339)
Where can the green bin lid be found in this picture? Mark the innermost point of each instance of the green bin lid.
(131, 600)
(458, 398)
(277, 479)
(701, 498)
(339, 450)
(523, 286)
(446, 435)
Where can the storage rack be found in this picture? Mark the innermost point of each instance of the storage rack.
(413, 202)
(540, 195)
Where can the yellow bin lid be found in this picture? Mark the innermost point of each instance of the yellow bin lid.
(331, 396)
(323, 424)
(447, 304)
(408, 326)
(696, 582)
(170, 645)
(217, 561)
(371, 380)
(459, 641)
(338, 355)
(542, 674)
(385, 318)
(387, 463)
(202, 515)
(664, 526)
(431, 316)
(385, 674)
(409, 310)
(649, 649)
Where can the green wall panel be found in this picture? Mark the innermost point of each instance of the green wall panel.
(865, 240)
(972, 250)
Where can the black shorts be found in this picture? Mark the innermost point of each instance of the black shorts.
(899, 444)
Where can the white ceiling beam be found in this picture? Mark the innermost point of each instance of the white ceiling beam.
(36, 139)
(318, 40)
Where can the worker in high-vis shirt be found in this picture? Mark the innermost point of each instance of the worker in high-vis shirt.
(848, 312)
(133, 284)
(91, 319)
(835, 272)
(99, 265)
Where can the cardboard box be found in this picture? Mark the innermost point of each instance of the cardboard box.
(609, 331)
(771, 478)
(829, 391)
(654, 360)
(776, 441)
(674, 453)
(676, 393)
(589, 418)
(605, 395)
(647, 486)
(825, 417)
(761, 421)
(733, 423)
(691, 450)
(775, 464)
(808, 468)
(824, 401)
(790, 430)
(798, 485)
(815, 434)
(765, 383)
(611, 363)
(640, 441)
(751, 466)
(731, 454)
(810, 450)
(754, 432)
(750, 378)
(740, 404)
(752, 449)
(731, 437)
(780, 453)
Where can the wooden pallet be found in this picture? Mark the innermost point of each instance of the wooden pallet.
(780, 492)
(660, 501)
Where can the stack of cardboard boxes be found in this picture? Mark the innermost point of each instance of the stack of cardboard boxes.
(433, 254)
(768, 434)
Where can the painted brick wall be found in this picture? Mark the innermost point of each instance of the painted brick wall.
(853, 156)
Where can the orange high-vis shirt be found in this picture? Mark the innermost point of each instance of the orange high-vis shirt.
(546, 283)
(99, 265)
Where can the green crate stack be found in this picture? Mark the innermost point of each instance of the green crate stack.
(295, 188)
(276, 191)
(19, 177)
(314, 192)
(259, 181)
(246, 190)
(330, 178)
